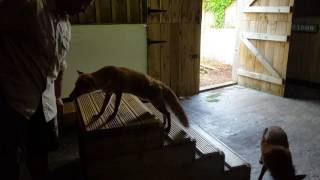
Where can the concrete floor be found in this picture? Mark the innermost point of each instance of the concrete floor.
(237, 116)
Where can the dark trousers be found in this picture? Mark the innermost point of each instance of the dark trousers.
(19, 137)
(13, 128)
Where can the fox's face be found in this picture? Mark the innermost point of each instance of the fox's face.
(84, 84)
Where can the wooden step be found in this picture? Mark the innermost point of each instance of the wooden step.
(209, 160)
(234, 165)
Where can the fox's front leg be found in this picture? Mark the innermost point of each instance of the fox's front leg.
(116, 106)
(104, 106)
(263, 170)
(159, 104)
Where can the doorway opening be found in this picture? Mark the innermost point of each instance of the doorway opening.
(218, 41)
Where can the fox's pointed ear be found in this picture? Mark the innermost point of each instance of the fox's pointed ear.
(300, 177)
(79, 72)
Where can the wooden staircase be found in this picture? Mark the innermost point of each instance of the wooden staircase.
(208, 147)
(134, 146)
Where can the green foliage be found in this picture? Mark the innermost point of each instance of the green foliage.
(217, 7)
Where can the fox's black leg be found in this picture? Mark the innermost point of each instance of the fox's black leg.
(263, 170)
(167, 129)
(164, 117)
(104, 105)
(260, 160)
(116, 106)
(159, 104)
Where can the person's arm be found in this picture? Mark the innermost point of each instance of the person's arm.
(58, 93)
(58, 84)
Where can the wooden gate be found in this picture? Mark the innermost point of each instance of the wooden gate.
(174, 43)
(265, 28)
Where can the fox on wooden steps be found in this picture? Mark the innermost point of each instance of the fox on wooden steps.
(120, 80)
(276, 156)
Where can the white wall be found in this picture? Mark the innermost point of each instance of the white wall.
(95, 46)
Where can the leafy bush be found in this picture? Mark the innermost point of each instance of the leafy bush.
(217, 7)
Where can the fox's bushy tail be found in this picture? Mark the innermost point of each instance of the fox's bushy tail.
(173, 101)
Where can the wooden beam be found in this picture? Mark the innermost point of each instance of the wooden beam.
(98, 13)
(261, 58)
(261, 77)
(265, 37)
(291, 3)
(251, 3)
(267, 9)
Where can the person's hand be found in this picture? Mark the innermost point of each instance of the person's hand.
(59, 107)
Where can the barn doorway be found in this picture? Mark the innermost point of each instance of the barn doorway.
(218, 41)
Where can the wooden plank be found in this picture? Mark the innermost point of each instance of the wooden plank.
(251, 2)
(165, 54)
(166, 16)
(261, 77)
(264, 36)
(98, 9)
(175, 49)
(304, 62)
(143, 11)
(266, 9)
(105, 10)
(261, 46)
(232, 159)
(128, 5)
(188, 10)
(154, 53)
(291, 3)
(89, 16)
(176, 11)
(74, 19)
(134, 9)
(236, 56)
(154, 17)
(119, 11)
(196, 48)
(260, 57)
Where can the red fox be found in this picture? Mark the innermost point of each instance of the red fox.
(120, 80)
(276, 156)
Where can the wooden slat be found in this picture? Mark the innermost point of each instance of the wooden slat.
(291, 3)
(176, 11)
(131, 112)
(98, 9)
(267, 9)
(175, 56)
(153, 17)
(154, 53)
(251, 2)
(119, 11)
(89, 16)
(188, 10)
(260, 57)
(166, 16)
(261, 77)
(304, 62)
(165, 54)
(134, 10)
(105, 10)
(264, 36)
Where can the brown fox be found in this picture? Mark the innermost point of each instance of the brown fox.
(276, 156)
(120, 80)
